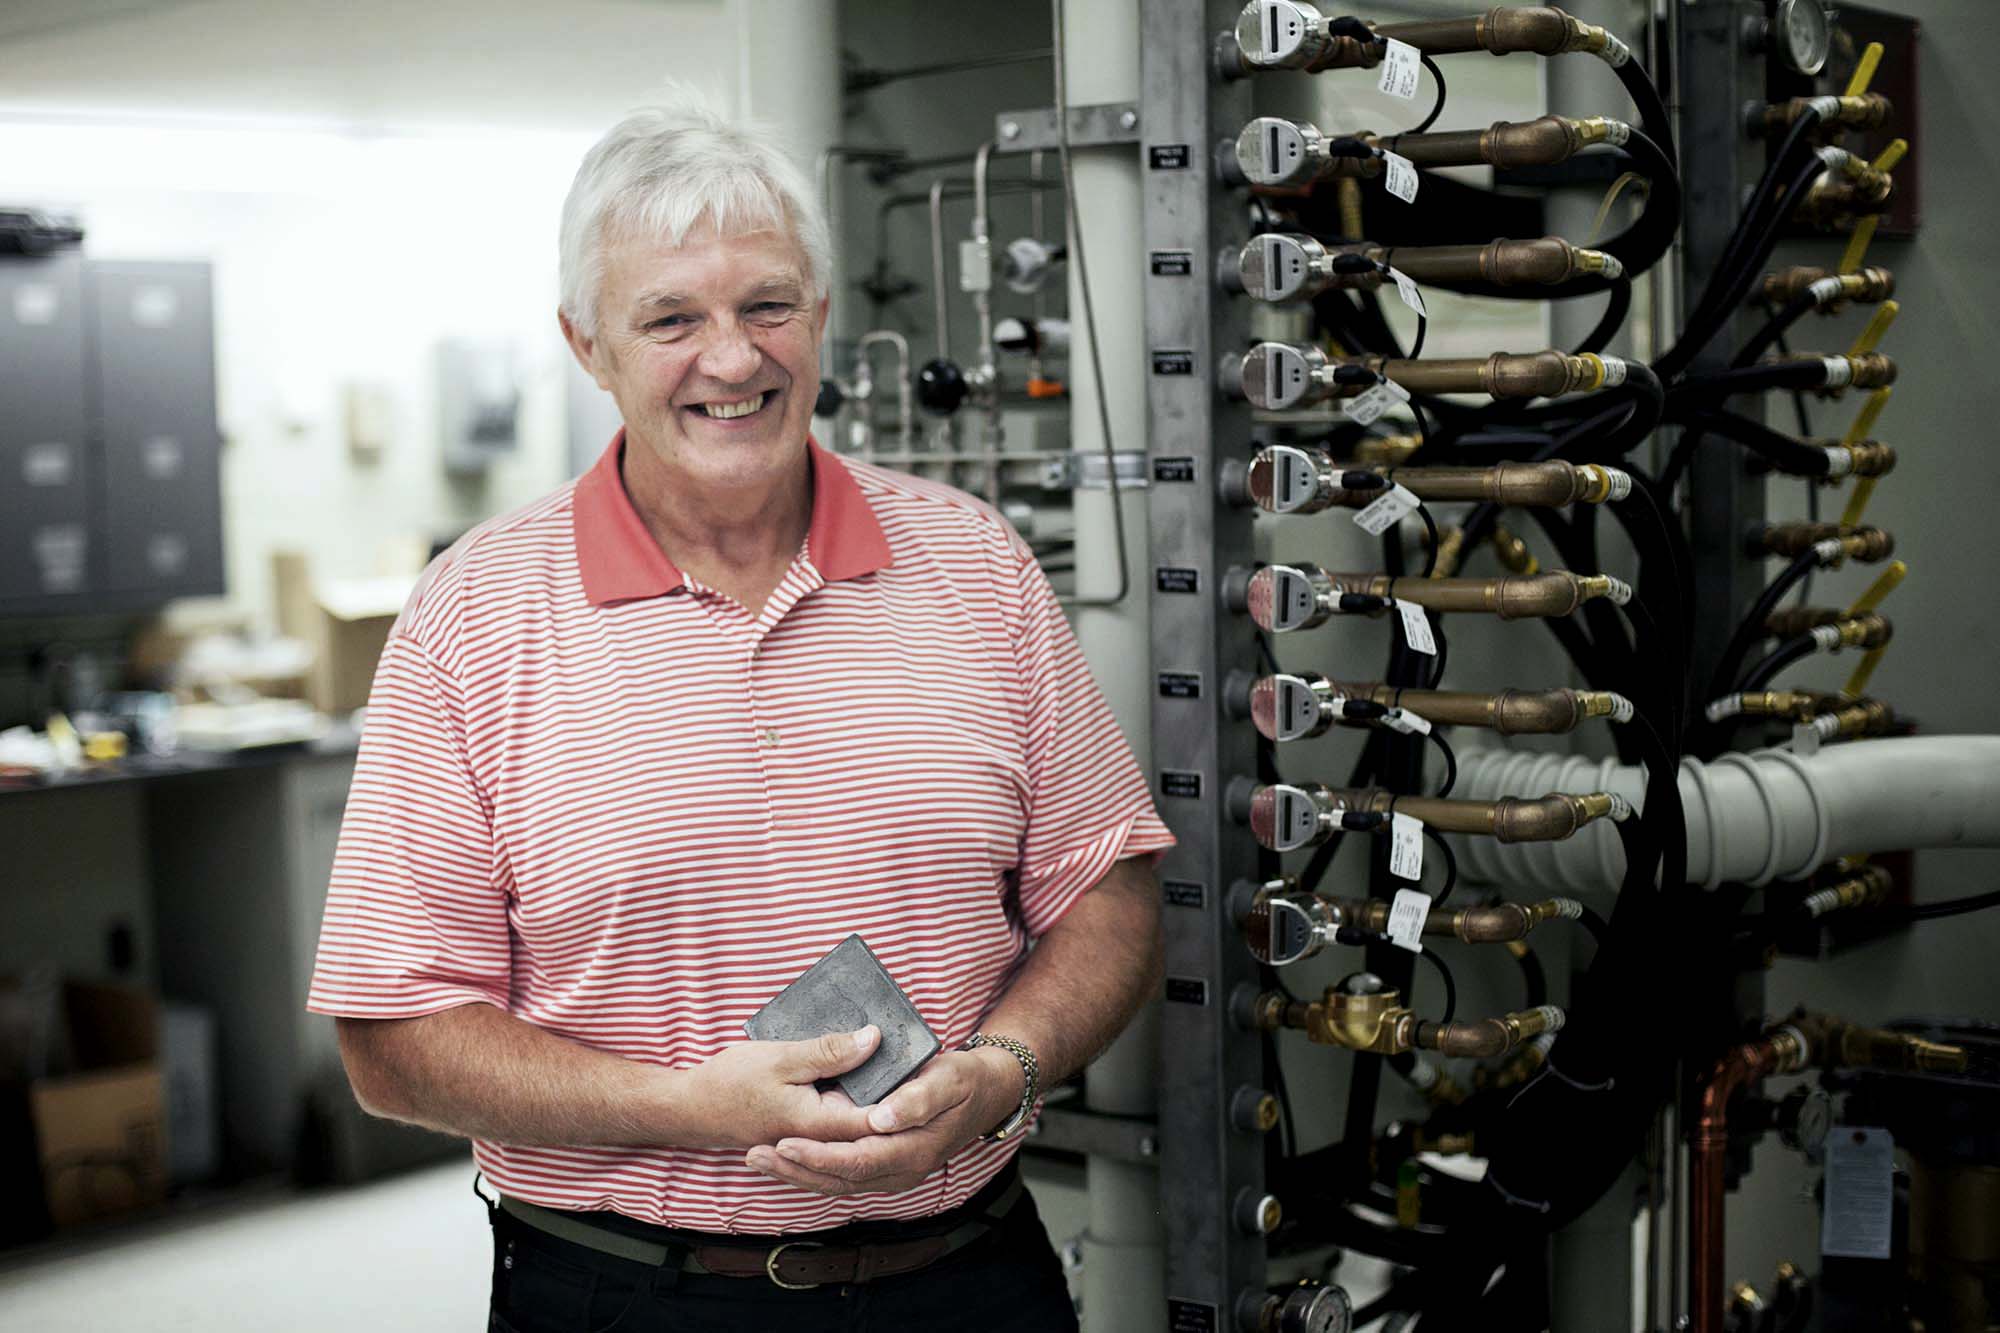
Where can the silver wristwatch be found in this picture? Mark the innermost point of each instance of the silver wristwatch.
(1031, 1086)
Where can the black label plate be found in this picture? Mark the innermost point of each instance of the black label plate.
(1173, 361)
(1167, 157)
(1173, 578)
(1187, 990)
(1180, 782)
(1180, 684)
(1183, 893)
(1172, 263)
(1179, 467)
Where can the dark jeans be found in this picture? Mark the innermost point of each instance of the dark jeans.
(1008, 1281)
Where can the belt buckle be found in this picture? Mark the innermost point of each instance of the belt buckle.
(771, 1264)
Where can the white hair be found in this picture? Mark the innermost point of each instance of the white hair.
(662, 171)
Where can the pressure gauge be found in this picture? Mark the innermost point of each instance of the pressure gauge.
(1310, 1308)
(1804, 34)
(1804, 1118)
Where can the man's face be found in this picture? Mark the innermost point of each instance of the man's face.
(711, 349)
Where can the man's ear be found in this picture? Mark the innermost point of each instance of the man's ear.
(584, 348)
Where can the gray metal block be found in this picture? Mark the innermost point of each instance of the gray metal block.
(849, 989)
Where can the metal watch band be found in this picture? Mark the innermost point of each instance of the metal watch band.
(1031, 1086)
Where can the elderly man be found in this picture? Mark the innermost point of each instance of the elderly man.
(640, 753)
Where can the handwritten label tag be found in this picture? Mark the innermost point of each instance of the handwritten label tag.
(1406, 918)
(1417, 628)
(1400, 64)
(1407, 289)
(1399, 177)
(1403, 720)
(1386, 510)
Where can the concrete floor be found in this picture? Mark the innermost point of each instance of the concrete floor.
(408, 1254)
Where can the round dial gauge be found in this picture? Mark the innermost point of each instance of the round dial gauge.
(1804, 34)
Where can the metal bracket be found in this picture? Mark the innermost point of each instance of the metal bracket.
(1096, 1134)
(1095, 126)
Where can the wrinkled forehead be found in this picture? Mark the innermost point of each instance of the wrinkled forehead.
(709, 258)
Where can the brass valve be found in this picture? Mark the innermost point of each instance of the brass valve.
(1297, 705)
(1287, 816)
(1831, 290)
(1302, 479)
(1868, 111)
(1361, 1015)
(1283, 598)
(1797, 705)
(1276, 377)
(1827, 200)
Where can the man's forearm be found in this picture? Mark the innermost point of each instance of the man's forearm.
(481, 1072)
(1087, 975)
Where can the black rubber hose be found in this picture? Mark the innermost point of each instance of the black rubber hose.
(1784, 453)
(1774, 328)
(1783, 656)
(1751, 628)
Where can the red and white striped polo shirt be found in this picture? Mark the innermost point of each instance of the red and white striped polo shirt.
(605, 798)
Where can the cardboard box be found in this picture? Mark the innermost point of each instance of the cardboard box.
(345, 620)
(100, 1127)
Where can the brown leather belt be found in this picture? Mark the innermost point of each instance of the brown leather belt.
(796, 1265)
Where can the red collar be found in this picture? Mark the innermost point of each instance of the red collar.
(620, 561)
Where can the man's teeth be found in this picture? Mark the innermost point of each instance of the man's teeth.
(725, 411)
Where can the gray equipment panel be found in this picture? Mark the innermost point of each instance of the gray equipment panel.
(153, 345)
(44, 459)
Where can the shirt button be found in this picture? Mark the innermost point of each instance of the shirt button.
(769, 736)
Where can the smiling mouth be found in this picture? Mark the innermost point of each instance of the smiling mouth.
(731, 411)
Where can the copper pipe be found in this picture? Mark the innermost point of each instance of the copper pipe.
(1543, 141)
(1789, 620)
(1510, 712)
(1781, 1050)
(1450, 552)
(1488, 1036)
(1503, 374)
(1544, 261)
(1493, 924)
(1549, 818)
(1541, 29)
(1512, 552)
(1303, 479)
(1511, 597)
(1386, 449)
(1794, 539)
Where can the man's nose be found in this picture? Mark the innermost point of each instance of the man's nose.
(729, 355)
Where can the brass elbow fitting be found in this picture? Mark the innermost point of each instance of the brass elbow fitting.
(1450, 552)
(1287, 816)
(1865, 888)
(1513, 552)
(1868, 286)
(1489, 1036)
(1519, 1067)
(1868, 111)
(1386, 450)
(1827, 200)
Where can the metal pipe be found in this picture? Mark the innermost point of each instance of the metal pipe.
(943, 312)
(905, 412)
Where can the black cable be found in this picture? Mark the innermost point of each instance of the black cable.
(1787, 653)
(1450, 985)
(1437, 107)
(1450, 762)
(1784, 453)
(1751, 628)
(1534, 979)
(1977, 902)
(1431, 532)
(1774, 328)
(1436, 840)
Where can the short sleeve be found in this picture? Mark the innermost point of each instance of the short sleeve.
(1089, 805)
(416, 914)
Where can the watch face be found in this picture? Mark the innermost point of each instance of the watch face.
(1804, 34)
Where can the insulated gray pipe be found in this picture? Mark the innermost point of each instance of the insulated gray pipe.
(1752, 818)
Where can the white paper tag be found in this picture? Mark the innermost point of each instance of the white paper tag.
(1366, 407)
(1386, 510)
(1407, 910)
(1407, 289)
(1406, 860)
(1860, 1193)
(1416, 628)
(1400, 64)
(1403, 720)
(1399, 177)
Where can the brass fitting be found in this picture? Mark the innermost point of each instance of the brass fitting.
(1865, 544)
(1489, 1036)
(1450, 552)
(1865, 458)
(1869, 286)
(1503, 30)
(1519, 1067)
(1868, 111)
(1301, 704)
(1865, 888)
(1789, 620)
(1283, 598)
(1827, 200)
(1444, 1145)
(1287, 816)
(1386, 450)
(1870, 629)
(1863, 717)
(1543, 141)
(1438, 1087)
(1513, 552)
(1837, 1044)
(1797, 705)
(1302, 479)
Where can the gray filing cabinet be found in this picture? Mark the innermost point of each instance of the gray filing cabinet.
(110, 459)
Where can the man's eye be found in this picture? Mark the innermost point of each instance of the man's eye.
(669, 323)
(770, 308)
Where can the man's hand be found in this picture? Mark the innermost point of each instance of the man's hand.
(955, 1098)
(759, 1091)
